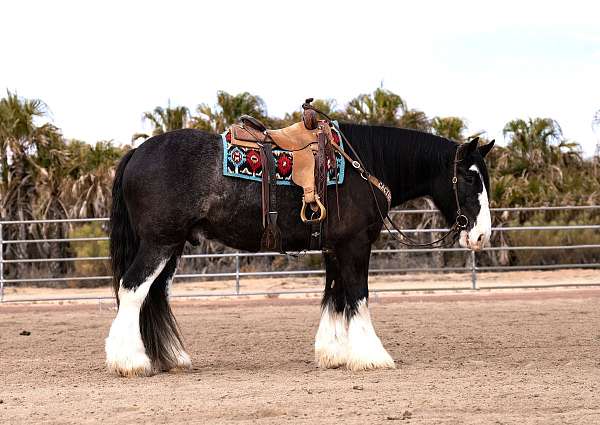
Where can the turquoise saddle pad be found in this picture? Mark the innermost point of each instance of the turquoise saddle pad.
(245, 163)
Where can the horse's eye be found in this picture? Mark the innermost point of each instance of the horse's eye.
(470, 179)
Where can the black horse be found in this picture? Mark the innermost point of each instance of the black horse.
(171, 190)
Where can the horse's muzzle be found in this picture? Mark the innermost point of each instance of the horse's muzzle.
(473, 241)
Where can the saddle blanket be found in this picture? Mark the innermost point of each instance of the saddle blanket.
(245, 163)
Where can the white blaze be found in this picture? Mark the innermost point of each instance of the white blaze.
(480, 234)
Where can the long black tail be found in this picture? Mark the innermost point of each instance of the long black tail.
(158, 327)
(124, 242)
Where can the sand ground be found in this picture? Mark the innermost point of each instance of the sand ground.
(500, 357)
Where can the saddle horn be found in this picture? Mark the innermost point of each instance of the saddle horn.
(310, 118)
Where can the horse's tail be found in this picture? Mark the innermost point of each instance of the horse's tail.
(124, 242)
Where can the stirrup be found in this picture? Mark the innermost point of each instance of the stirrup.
(322, 211)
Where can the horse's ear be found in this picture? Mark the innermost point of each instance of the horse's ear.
(484, 150)
(471, 147)
(474, 143)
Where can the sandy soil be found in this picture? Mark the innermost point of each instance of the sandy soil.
(502, 358)
(407, 282)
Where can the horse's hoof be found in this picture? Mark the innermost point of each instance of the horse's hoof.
(369, 360)
(127, 361)
(131, 367)
(184, 363)
(330, 357)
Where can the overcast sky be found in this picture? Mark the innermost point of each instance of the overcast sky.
(100, 64)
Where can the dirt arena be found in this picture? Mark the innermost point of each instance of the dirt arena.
(490, 358)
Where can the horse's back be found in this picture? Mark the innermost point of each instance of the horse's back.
(177, 148)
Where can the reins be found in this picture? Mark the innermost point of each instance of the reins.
(461, 222)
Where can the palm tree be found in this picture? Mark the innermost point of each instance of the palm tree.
(415, 119)
(91, 171)
(384, 107)
(452, 128)
(28, 153)
(538, 142)
(18, 133)
(164, 119)
(381, 107)
(536, 133)
(228, 109)
(327, 106)
(539, 167)
(32, 158)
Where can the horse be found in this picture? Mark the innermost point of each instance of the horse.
(171, 190)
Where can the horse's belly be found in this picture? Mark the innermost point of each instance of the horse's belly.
(234, 217)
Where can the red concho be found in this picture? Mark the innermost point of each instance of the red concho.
(284, 165)
(253, 160)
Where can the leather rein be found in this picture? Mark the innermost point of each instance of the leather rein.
(461, 222)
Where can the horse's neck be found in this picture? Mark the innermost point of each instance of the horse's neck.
(407, 161)
(419, 162)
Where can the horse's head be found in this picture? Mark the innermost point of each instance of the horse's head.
(472, 188)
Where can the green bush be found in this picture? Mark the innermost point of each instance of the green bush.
(90, 249)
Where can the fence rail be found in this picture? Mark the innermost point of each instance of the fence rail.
(472, 266)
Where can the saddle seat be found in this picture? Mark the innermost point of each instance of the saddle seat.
(299, 140)
(292, 138)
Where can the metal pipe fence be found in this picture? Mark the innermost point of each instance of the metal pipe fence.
(472, 267)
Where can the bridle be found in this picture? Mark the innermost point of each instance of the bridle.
(461, 222)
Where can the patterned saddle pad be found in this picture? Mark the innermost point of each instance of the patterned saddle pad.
(245, 163)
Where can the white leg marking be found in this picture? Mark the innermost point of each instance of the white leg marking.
(365, 348)
(331, 342)
(125, 352)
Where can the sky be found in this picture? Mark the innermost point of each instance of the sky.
(100, 64)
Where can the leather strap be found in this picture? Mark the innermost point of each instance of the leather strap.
(321, 175)
(271, 239)
(266, 190)
(368, 177)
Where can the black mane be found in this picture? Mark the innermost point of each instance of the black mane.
(399, 155)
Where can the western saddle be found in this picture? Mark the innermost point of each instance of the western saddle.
(310, 143)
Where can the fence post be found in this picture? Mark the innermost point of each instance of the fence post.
(473, 270)
(1, 265)
(237, 273)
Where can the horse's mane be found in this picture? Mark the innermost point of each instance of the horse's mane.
(381, 146)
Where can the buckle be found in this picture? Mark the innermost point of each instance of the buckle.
(462, 221)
